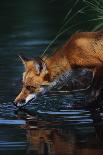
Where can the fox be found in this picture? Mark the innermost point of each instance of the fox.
(81, 50)
(54, 140)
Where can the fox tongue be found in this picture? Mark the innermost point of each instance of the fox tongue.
(30, 97)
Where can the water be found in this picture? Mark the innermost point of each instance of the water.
(46, 127)
(55, 123)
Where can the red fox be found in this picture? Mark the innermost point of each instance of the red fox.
(82, 50)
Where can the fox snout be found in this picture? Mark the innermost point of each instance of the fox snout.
(21, 98)
(24, 97)
(19, 101)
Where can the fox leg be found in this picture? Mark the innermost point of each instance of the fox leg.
(98, 78)
(97, 81)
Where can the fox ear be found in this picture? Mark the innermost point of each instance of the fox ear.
(23, 58)
(40, 66)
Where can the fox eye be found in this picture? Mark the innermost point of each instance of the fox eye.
(31, 88)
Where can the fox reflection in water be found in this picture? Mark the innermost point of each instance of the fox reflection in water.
(53, 142)
(50, 142)
(58, 141)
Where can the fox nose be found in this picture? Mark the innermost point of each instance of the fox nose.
(16, 101)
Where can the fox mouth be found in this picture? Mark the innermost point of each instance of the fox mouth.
(30, 98)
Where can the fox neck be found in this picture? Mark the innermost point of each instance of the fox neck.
(57, 65)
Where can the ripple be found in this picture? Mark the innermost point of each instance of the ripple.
(7, 110)
(54, 107)
(12, 122)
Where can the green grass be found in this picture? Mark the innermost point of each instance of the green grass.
(81, 15)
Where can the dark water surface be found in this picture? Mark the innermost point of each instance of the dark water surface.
(34, 130)
(52, 125)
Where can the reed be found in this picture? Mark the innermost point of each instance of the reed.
(83, 15)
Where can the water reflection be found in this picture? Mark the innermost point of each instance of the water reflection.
(61, 132)
(12, 138)
(51, 141)
(67, 132)
(49, 138)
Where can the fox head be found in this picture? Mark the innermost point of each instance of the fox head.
(35, 77)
